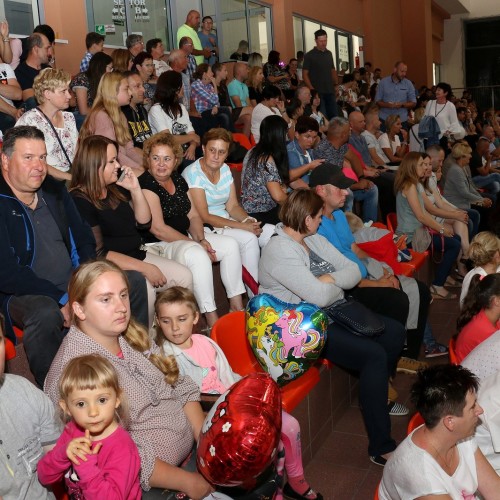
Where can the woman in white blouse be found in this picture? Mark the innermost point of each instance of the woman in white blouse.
(51, 87)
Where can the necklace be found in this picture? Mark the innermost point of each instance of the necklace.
(448, 465)
(31, 202)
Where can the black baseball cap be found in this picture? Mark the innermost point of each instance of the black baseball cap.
(328, 173)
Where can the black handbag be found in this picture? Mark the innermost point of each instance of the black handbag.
(355, 317)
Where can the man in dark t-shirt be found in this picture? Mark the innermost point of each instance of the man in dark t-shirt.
(319, 73)
(137, 116)
(482, 173)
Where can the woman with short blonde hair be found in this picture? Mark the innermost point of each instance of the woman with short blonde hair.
(51, 87)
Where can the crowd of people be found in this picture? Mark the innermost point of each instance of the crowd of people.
(117, 198)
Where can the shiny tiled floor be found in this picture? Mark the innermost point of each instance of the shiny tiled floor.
(341, 468)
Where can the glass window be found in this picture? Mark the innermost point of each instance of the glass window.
(259, 22)
(357, 49)
(331, 43)
(309, 29)
(344, 59)
(298, 37)
(22, 16)
(149, 19)
(233, 26)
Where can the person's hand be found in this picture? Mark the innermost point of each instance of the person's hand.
(206, 52)
(65, 311)
(252, 226)
(211, 252)
(190, 152)
(487, 203)
(281, 106)
(389, 282)
(198, 487)
(461, 215)
(4, 29)
(448, 231)
(316, 163)
(129, 181)
(326, 278)
(154, 275)
(371, 172)
(215, 110)
(364, 184)
(78, 449)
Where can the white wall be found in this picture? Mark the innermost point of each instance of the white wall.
(453, 48)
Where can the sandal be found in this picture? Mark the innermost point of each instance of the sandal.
(289, 492)
(436, 295)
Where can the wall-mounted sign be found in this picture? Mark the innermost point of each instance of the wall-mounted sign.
(100, 29)
(138, 8)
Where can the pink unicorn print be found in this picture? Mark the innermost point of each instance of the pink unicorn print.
(292, 335)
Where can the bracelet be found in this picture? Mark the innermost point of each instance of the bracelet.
(253, 219)
(6, 39)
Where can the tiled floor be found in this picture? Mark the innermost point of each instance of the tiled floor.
(341, 468)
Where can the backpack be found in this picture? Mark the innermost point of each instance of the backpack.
(428, 129)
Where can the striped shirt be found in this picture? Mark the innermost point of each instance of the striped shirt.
(217, 195)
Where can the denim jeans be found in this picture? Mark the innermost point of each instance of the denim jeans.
(490, 182)
(369, 198)
(452, 248)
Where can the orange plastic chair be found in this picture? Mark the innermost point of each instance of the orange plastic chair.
(414, 422)
(10, 350)
(252, 140)
(451, 351)
(229, 333)
(375, 496)
(243, 140)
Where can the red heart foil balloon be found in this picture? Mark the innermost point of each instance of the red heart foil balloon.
(287, 339)
(240, 435)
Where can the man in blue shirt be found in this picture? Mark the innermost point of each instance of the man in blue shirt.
(396, 95)
(208, 39)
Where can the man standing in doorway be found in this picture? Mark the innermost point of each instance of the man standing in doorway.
(396, 95)
(319, 73)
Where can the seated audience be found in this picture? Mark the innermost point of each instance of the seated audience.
(255, 85)
(293, 76)
(412, 215)
(237, 88)
(39, 51)
(300, 151)
(240, 115)
(443, 213)
(484, 359)
(294, 110)
(334, 149)
(371, 133)
(58, 126)
(271, 105)
(416, 143)
(186, 46)
(84, 85)
(168, 114)
(315, 104)
(106, 118)
(213, 194)
(134, 44)
(28, 422)
(144, 67)
(440, 459)
(274, 73)
(484, 253)
(10, 91)
(135, 112)
(165, 417)
(94, 43)
(122, 60)
(255, 59)
(483, 174)
(298, 264)
(403, 299)
(265, 176)
(111, 201)
(389, 141)
(156, 50)
(304, 95)
(459, 188)
(480, 314)
(177, 229)
(178, 63)
(206, 99)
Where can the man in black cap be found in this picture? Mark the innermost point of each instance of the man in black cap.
(379, 289)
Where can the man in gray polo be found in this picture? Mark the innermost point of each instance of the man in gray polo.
(319, 73)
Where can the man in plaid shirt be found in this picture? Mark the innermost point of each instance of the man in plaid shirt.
(186, 44)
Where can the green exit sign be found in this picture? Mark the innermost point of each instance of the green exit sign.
(101, 29)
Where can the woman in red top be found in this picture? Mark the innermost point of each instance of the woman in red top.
(480, 316)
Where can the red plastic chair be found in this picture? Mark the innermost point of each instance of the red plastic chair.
(452, 345)
(414, 422)
(417, 258)
(10, 350)
(375, 496)
(229, 333)
(243, 140)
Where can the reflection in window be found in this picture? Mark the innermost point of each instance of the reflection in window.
(150, 20)
(233, 26)
(298, 36)
(344, 61)
(260, 28)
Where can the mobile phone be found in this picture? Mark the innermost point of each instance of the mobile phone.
(122, 175)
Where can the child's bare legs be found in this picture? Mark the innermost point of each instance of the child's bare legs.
(462, 230)
(290, 435)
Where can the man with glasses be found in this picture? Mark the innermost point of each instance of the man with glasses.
(208, 39)
(134, 44)
(155, 48)
(186, 45)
